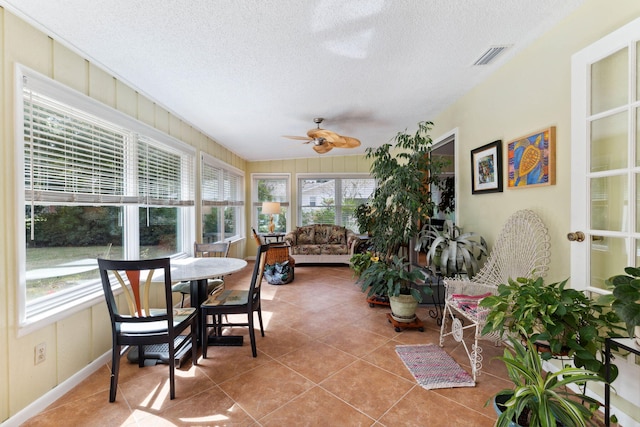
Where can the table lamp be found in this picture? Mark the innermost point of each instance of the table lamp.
(271, 208)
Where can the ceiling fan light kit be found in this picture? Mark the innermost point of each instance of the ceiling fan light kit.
(325, 140)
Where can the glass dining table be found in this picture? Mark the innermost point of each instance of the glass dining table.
(197, 271)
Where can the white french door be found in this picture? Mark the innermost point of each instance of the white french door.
(605, 157)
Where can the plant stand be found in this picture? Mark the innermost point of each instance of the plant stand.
(400, 326)
(376, 300)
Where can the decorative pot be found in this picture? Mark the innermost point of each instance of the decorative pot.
(498, 406)
(403, 308)
(636, 333)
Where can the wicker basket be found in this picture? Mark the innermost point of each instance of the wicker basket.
(278, 253)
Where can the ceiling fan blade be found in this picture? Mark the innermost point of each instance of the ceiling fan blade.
(339, 142)
(299, 138)
(351, 142)
(323, 148)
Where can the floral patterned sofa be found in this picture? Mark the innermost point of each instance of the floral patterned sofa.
(322, 243)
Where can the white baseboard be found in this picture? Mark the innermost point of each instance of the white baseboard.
(40, 404)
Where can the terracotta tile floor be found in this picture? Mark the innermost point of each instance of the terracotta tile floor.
(327, 359)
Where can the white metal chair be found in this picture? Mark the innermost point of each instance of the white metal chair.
(521, 250)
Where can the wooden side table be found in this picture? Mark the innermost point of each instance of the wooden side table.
(272, 237)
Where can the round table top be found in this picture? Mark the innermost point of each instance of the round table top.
(186, 269)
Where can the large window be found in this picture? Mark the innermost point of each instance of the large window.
(270, 188)
(222, 201)
(96, 183)
(330, 200)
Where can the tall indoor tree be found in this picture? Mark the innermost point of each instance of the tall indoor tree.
(405, 170)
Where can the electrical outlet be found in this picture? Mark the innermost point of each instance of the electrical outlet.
(40, 353)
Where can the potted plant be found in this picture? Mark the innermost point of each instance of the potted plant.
(558, 319)
(363, 218)
(401, 284)
(542, 399)
(625, 299)
(401, 202)
(360, 262)
(450, 250)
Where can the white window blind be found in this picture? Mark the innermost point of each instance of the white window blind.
(71, 156)
(220, 186)
(165, 178)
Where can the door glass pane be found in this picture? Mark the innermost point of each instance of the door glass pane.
(637, 137)
(637, 227)
(608, 201)
(609, 143)
(637, 71)
(608, 258)
(609, 83)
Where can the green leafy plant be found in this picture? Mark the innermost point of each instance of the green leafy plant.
(452, 251)
(392, 278)
(625, 299)
(360, 262)
(364, 219)
(563, 319)
(404, 171)
(539, 398)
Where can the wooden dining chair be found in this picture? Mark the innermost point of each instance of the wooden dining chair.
(137, 324)
(235, 301)
(219, 250)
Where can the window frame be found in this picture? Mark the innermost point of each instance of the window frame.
(337, 190)
(69, 301)
(257, 204)
(220, 202)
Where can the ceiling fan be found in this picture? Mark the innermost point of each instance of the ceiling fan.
(325, 140)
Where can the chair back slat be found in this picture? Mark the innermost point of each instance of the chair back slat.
(136, 292)
(219, 249)
(258, 271)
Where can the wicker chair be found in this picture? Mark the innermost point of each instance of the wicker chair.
(278, 253)
(521, 250)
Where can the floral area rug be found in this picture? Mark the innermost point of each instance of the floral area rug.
(432, 367)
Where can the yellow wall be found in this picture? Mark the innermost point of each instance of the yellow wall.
(531, 92)
(76, 341)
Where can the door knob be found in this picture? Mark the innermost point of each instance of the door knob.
(577, 236)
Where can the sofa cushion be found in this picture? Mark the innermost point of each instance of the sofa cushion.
(320, 231)
(306, 235)
(334, 249)
(336, 235)
(306, 250)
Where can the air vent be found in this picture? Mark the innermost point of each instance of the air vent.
(490, 54)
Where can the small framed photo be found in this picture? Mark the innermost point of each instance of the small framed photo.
(532, 159)
(486, 168)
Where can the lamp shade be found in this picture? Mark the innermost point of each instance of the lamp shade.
(271, 208)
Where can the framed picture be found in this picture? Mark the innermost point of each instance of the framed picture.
(532, 159)
(486, 168)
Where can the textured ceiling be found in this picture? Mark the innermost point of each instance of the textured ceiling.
(246, 72)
